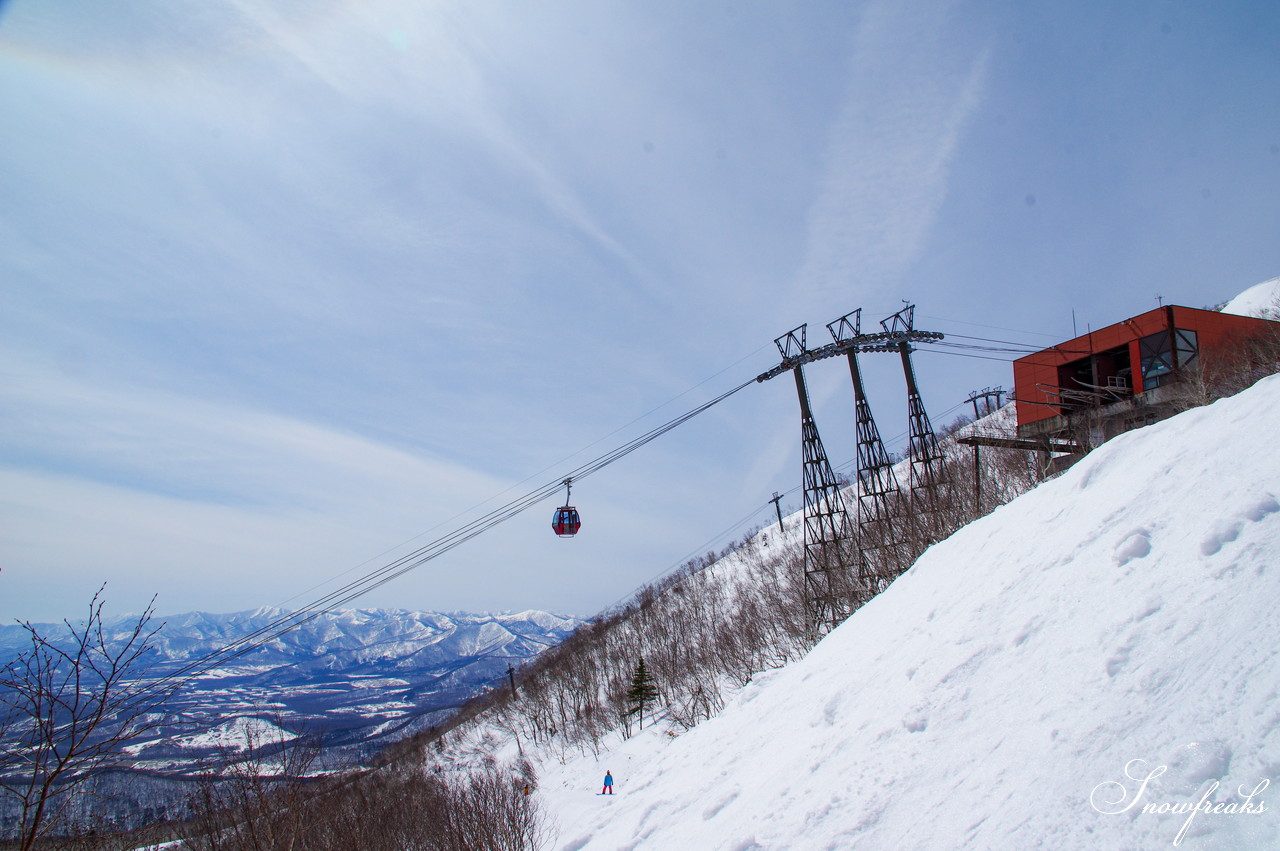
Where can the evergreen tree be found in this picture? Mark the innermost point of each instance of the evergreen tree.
(642, 691)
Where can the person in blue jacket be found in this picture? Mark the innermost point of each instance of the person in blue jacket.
(608, 783)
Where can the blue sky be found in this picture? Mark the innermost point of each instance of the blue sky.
(286, 285)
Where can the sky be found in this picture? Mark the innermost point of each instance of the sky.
(288, 289)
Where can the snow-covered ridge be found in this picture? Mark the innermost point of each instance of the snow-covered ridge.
(388, 634)
(1261, 300)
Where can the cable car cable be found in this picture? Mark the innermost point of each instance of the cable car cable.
(531, 476)
(398, 567)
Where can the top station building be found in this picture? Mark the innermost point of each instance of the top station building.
(1124, 375)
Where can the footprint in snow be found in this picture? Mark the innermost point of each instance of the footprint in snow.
(1137, 544)
(1227, 530)
(916, 721)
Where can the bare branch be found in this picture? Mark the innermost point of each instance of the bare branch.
(68, 705)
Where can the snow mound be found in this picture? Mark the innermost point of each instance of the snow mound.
(1261, 300)
(1079, 669)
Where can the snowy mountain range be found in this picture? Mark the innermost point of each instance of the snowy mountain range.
(356, 677)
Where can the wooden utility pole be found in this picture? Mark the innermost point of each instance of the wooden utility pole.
(777, 496)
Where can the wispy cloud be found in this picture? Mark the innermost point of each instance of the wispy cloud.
(912, 88)
(166, 443)
(448, 65)
(151, 488)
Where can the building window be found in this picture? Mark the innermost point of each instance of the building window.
(1158, 358)
(1188, 347)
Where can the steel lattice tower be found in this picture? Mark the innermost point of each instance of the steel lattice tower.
(838, 577)
(879, 518)
(829, 536)
(928, 464)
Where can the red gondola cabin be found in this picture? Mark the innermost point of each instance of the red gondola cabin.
(566, 521)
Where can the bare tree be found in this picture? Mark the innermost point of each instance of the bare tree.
(68, 705)
(1235, 367)
(255, 796)
(394, 808)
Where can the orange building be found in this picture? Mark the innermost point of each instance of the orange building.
(1120, 370)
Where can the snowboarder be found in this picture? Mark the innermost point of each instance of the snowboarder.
(608, 783)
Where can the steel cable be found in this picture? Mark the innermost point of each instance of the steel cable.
(398, 567)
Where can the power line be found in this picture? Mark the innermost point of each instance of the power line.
(967, 355)
(994, 340)
(994, 327)
(1014, 348)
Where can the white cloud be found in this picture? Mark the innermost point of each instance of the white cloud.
(912, 87)
(169, 443)
(162, 489)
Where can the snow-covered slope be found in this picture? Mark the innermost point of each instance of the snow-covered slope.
(1016, 686)
(1261, 300)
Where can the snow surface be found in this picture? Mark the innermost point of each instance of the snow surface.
(1262, 300)
(1115, 623)
(237, 734)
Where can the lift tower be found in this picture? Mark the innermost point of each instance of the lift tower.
(879, 529)
(928, 464)
(986, 394)
(838, 577)
(829, 536)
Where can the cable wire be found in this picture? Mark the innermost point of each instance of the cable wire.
(398, 567)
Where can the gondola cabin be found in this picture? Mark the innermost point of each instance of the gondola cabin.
(566, 521)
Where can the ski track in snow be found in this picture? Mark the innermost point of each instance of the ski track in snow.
(1124, 611)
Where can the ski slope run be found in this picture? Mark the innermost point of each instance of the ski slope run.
(1076, 670)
